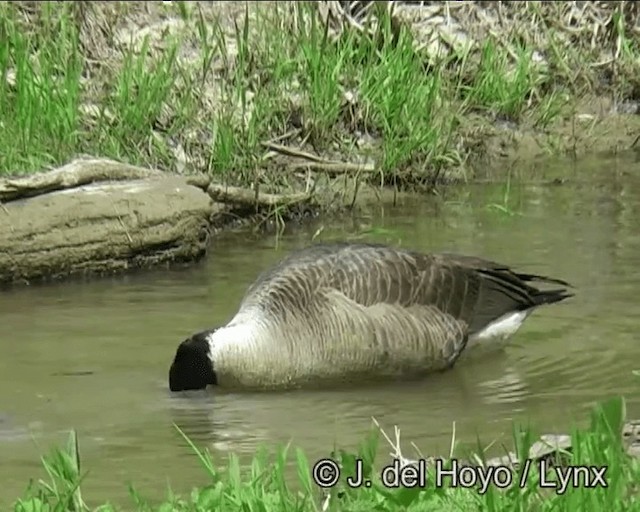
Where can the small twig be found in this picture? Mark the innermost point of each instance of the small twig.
(290, 133)
(229, 194)
(286, 150)
(315, 162)
(397, 451)
(333, 167)
(453, 440)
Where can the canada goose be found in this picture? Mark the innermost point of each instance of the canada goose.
(343, 311)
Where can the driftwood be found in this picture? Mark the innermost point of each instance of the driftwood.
(103, 227)
(76, 173)
(243, 196)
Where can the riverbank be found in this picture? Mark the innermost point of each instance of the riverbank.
(607, 479)
(299, 107)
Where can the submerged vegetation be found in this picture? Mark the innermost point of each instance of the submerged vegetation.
(268, 483)
(192, 88)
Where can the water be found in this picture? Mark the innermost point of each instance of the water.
(95, 355)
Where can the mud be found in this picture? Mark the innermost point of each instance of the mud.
(104, 227)
(595, 127)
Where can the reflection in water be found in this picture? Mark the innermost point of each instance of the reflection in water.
(94, 355)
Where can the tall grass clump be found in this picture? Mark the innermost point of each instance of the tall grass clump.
(55, 103)
(132, 107)
(403, 101)
(280, 482)
(303, 81)
(502, 84)
(40, 88)
(322, 68)
(251, 106)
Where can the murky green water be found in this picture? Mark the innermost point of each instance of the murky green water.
(120, 334)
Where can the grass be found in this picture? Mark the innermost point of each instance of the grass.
(205, 96)
(266, 484)
(39, 97)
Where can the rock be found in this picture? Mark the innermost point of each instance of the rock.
(103, 227)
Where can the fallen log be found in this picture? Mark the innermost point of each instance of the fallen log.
(81, 171)
(98, 215)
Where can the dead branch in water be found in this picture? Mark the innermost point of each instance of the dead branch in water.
(75, 174)
(248, 197)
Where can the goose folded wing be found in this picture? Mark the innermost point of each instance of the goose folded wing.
(420, 337)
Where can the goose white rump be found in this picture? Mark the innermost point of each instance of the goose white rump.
(501, 329)
(348, 312)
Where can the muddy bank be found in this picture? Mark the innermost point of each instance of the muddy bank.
(96, 216)
(595, 127)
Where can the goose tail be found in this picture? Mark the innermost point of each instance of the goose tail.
(541, 297)
(543, 279)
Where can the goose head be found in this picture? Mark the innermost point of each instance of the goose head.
(192, 367)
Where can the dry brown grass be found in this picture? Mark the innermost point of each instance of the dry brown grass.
(585, 40)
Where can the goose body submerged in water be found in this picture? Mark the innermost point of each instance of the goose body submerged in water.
(349, 312)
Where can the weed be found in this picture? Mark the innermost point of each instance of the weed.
(502, 86)
(504, 206)
(265, 485)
